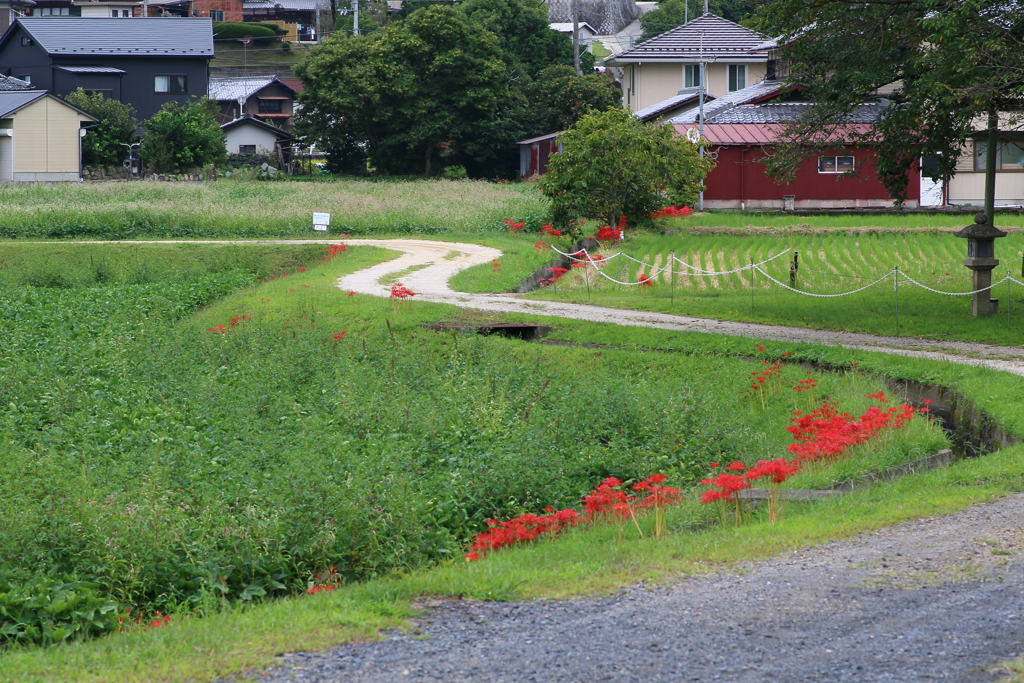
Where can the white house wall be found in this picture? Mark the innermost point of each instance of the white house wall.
(250, 135)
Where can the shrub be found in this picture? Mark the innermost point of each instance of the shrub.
(102, 145)
(224, 30)
(184, 137)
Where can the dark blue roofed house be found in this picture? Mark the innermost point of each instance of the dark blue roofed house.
(143, 62)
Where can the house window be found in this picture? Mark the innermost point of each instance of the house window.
(691, 75)
(271, 106)
(170, 85)
(737, 77)
(835, 164)
(114, 13)
(26, 41)
(247, 149)
(126, 13)
(217, 14)
(54, 11)
(1009, 158)
(27, 78)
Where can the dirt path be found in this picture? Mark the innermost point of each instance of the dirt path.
(445, 259)
(932, 599)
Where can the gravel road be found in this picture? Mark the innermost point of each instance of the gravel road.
(935, 599)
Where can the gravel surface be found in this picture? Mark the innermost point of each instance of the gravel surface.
(934, 599)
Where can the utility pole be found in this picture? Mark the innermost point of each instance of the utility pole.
(355, 20)
(576, 37)
(317, 13)
(700, 114)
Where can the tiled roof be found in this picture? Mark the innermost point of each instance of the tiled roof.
(11, 83)
(13, 100)
(722, 40)
(760, 133)
(157, 37)
(751, 93)
(242, 87)
(790, 111)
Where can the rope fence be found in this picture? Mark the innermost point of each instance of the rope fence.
(584, 259)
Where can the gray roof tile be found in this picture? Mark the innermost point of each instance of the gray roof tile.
(155, 37)
(238, 88)
(727, 102)
(11, 83)
(790, 111)
(722, 39)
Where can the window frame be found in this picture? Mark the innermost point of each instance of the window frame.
(736, 73)
(245, 150)
(691, 75)
(219, 13)
(170, 77)
(835, 164)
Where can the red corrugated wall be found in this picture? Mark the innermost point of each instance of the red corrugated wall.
(739, 176)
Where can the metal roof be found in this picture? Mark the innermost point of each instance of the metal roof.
(252, 121)
(684, 96)
(156, 37)
(285, 5)
(13, 100)
(11, 83)
(566, 27)
(722, 40)
(540, 139)
(762, 134)
(751, 93)
(90, 69)
(242, 87)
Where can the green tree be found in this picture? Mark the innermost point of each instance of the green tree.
(102, 145)
(951, 62)
(412, 91)
(558, 97)
(611, 165)
(178, 137)
(672, 13)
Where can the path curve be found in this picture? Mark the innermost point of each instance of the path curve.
(439, 261)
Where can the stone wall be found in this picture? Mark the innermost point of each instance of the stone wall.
(605, 16)
(115, 173)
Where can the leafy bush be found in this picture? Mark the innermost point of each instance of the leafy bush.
(184, 137)
(103, 145)
(224, 30)
(43, 610)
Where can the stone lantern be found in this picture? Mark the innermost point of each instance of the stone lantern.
(981, 259)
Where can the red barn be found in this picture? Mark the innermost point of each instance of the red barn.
(742, 136)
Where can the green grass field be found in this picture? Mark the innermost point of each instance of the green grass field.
(829, 263)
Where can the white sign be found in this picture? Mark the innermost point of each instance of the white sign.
(321, 221)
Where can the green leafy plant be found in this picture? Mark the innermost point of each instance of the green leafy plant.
(104, 144)
(180, 137)
(612, 165)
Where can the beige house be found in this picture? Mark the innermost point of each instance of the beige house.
(656, 70)
(968, 185)
(40, 138)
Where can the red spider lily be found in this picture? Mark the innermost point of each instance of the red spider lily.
(672, 212)
(644, 280)
(714, 464)
(607, 234)
(339, 335)
(728, 487)
(827, 433)
(514, 226)
(658, 498)
(736, 466)
(218, 329)
(344, 234)
(546, 229)
(400, 291)
(760, 347)
(495, 266)
(776, 472)
(521, 529)
(556, 274)
(333, 250)
(541, 245)
(291, 290)
(351, 293)
(302, 269)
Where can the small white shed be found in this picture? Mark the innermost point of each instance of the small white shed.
(249, 135)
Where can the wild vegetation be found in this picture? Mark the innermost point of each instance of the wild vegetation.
(163, 459)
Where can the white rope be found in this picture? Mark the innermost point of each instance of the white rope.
(655, 272)
(976, 291)
(572, 256)
(822, 296)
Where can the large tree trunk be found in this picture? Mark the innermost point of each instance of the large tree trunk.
(991, 150)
